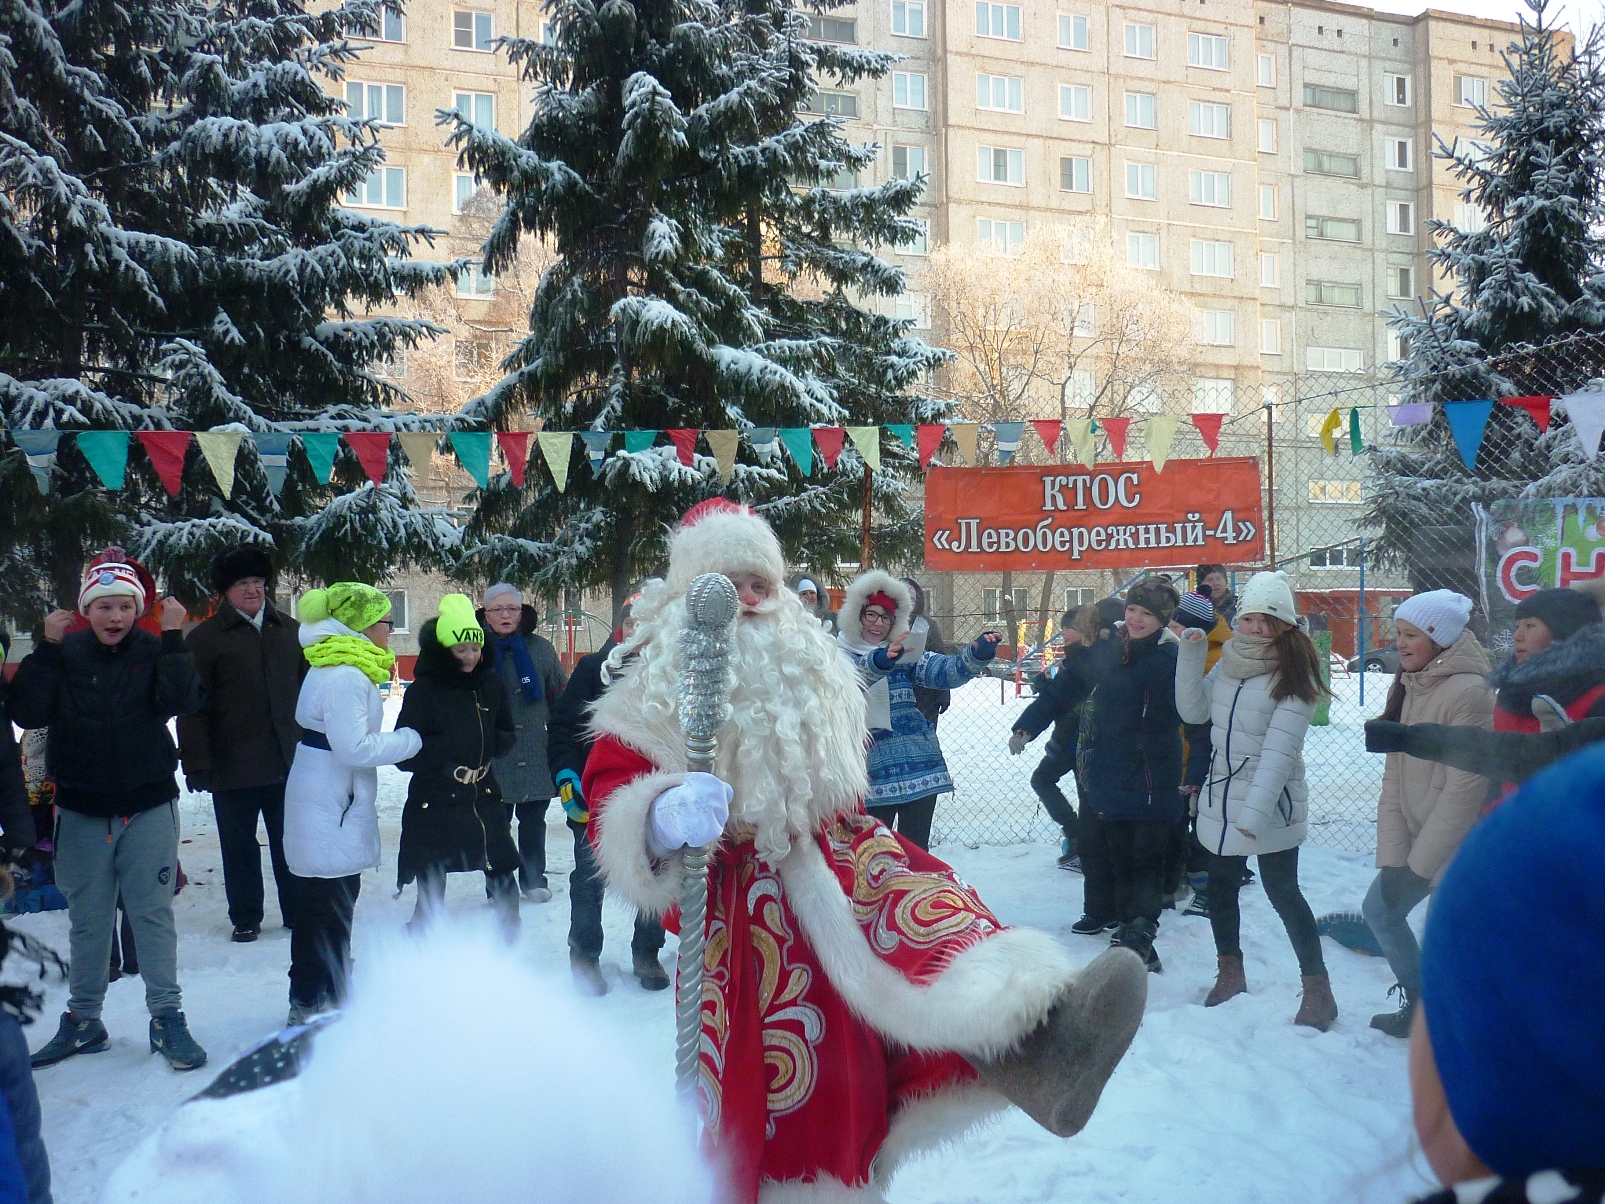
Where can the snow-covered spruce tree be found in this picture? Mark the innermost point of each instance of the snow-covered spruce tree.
(705, 277)
(174, 255)
(1536, 174)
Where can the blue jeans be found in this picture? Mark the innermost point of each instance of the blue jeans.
(1394, 894)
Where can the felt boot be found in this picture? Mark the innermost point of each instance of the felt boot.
(1317, 1009)
(1229, 980)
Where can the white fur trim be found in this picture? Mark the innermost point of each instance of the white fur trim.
(865, 584)
(728, 542)
(621, 851)
(989, 998)
(828, 1190)
(933, 1121)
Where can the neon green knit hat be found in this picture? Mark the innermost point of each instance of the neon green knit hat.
(356, 605)
(457, 623)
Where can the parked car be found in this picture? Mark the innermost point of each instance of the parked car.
(1378, 660)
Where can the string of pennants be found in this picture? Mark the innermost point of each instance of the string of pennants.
(1468, 420)
(107, 451)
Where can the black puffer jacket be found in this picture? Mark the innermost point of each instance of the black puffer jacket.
(449, 824)
(1567, 670)
(568, 738)
(107, 710)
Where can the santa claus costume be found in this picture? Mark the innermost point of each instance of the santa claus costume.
(860, 1002)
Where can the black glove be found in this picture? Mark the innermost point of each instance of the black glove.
(1384, 736)
(198, 782)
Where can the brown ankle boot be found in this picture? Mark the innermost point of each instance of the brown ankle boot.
(1229, 981)
(1318, 1008)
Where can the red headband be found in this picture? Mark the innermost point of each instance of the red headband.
(879, 598)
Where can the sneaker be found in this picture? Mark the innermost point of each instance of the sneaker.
(649, 972)
(1138, 936)
(1071, 863)
(244, 934)
(169, 1036)
(1087, 926)
(588, 978)
(538, 894)
(305, 1013)
(73, 1037)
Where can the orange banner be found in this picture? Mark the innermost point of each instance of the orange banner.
(1112, 516)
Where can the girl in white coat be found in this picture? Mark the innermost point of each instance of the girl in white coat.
(1258, 698)
(331, 823)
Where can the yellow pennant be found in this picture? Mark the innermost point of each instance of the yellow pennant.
(965, 435)
(723, 446)
(867, 439)
(220, 448)
(555, 446)
(1329, 430)
(1161, 430)
(418, 446)
(1080, 432)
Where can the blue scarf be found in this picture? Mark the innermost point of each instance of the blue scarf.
(522, 661)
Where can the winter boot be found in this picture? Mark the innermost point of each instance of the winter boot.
(1200, 901)
(1397, 1024)
(73, 1037)
(1068, 853)
(1229, 980)
(1091, 926)
(649, 972)
(1317, 1009)
(1138, 936)
(305, 1013)
(1059, 1071)
(169, 1036)
(588, 978)
(244, 934)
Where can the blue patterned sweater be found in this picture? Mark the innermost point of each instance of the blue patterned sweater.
(906, 763)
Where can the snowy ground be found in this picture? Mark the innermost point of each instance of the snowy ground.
(1231, 1104)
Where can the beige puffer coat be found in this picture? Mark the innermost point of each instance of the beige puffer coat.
(1427, 808)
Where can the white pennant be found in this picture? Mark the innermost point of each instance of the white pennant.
(1587, 412)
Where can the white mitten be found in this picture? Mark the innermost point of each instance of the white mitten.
(689, 815)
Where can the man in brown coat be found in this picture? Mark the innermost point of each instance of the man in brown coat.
(241, 743)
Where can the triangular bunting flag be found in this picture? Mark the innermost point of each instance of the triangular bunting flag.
(1159, 432)
(166, 450)
(515, 446)
(966, 435)
(799, 441)
(273, 452)
(867, 440)
(557, 446)
(762, 436)
(1536, 407)
(419, 448)
(1048, 432)
(220, 449)
(1080, 432)
(1467, 421)
(1356, 440)
(930, 439)
(1410, 413)
(1329, 430)
(473, 453)
(1008, 436)
(1114, 430)
(596, 449)
(107, 453)
(1209, 429)
(373, 453)
(638, 441)
(904, 431)
(723, 446)
(1587, 413)
(321, 447)
(685, 444)
(40, 448)
(830, 439)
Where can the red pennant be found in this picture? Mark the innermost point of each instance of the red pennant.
(685, 443)
(515, 446)
(1048, 432)
(830, 439)
(373, 452)
(1209, 427)
(1115, 429)
(166, 451)
(930, 437)
(1536, 407)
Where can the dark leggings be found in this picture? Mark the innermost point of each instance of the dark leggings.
(1278, 874)
(912, 819)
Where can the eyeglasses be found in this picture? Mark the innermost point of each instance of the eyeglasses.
(390, 624)
(504, 610)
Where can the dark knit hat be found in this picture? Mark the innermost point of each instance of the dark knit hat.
(247, 560)
(1155, 595)
(1110, 612)
(1563, 611)
(1196, 610)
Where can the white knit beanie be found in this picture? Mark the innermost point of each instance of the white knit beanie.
(1269, 594)
(1441, 614)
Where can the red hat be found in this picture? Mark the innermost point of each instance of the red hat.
(880, 598)
(112, 575)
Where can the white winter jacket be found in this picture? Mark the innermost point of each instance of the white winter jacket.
(331, 823)
(1256, 761)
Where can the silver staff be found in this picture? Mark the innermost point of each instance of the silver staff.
(704, 704)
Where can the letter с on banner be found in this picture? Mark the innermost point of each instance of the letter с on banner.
(1113, 516)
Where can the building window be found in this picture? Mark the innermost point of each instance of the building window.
(908, 162)
(1004, 238)
(1396, 90)
(1074, 597)
(1209, 120)
(1471, 91)
(1217, 327)
(1325, 292)
(999, 165)
(1145, 397)
(1401, 282)
(473, 359)
(1139, 41)
(998, 21)
(398, 610)
(908, 18)
(1270, 336)
(386, 103)
(992, 609)
(1211, 188)
(548, 33)
(1083, 389)
(1075, 102)
(920, 243)
(843, 180)
(1270, 269)
(1206, 50)
(1002, 93)
(385, 188)
(1214, 395)
(831, 29)
(1330, 163)
(1267, 135)
(1142, 251)
(833, 104)
(475, 283)
(462, 188)
(1327, 492)
(1335, 229)
(1142, 111)
(1141, 183)
(1336, 558)
(1086, 324)
(472, 31)
(476, 107)
(908, 90)
(1398, 346)
(913, 307)
(1265, 70)
(1469, 218)
(1075, 174)
(1334, 359)
(1401, 217)
(1269, 196)
(1401, 154)
(1339, 100)
(1072, 32)
(391, 27)
(1210, 258)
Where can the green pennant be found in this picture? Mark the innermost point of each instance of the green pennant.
(107, 453)
(1356, 441)
(638, 441)
(473, 453)
(799, 441)
(904, 431)
(321, 448)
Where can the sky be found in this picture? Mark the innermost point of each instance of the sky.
(1577, 15)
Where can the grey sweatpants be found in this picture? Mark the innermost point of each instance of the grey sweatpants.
(96, 859)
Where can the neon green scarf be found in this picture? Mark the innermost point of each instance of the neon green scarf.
(352, 650)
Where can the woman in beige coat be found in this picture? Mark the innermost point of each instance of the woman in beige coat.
(1426, 808)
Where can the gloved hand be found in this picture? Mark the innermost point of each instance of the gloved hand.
(985, 645)
(1384, 736)
(198, 782)
(572, 797)
(689, 815)
(1017, 742)
(1550, 714)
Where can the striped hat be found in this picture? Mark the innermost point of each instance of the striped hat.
(1195, 610)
